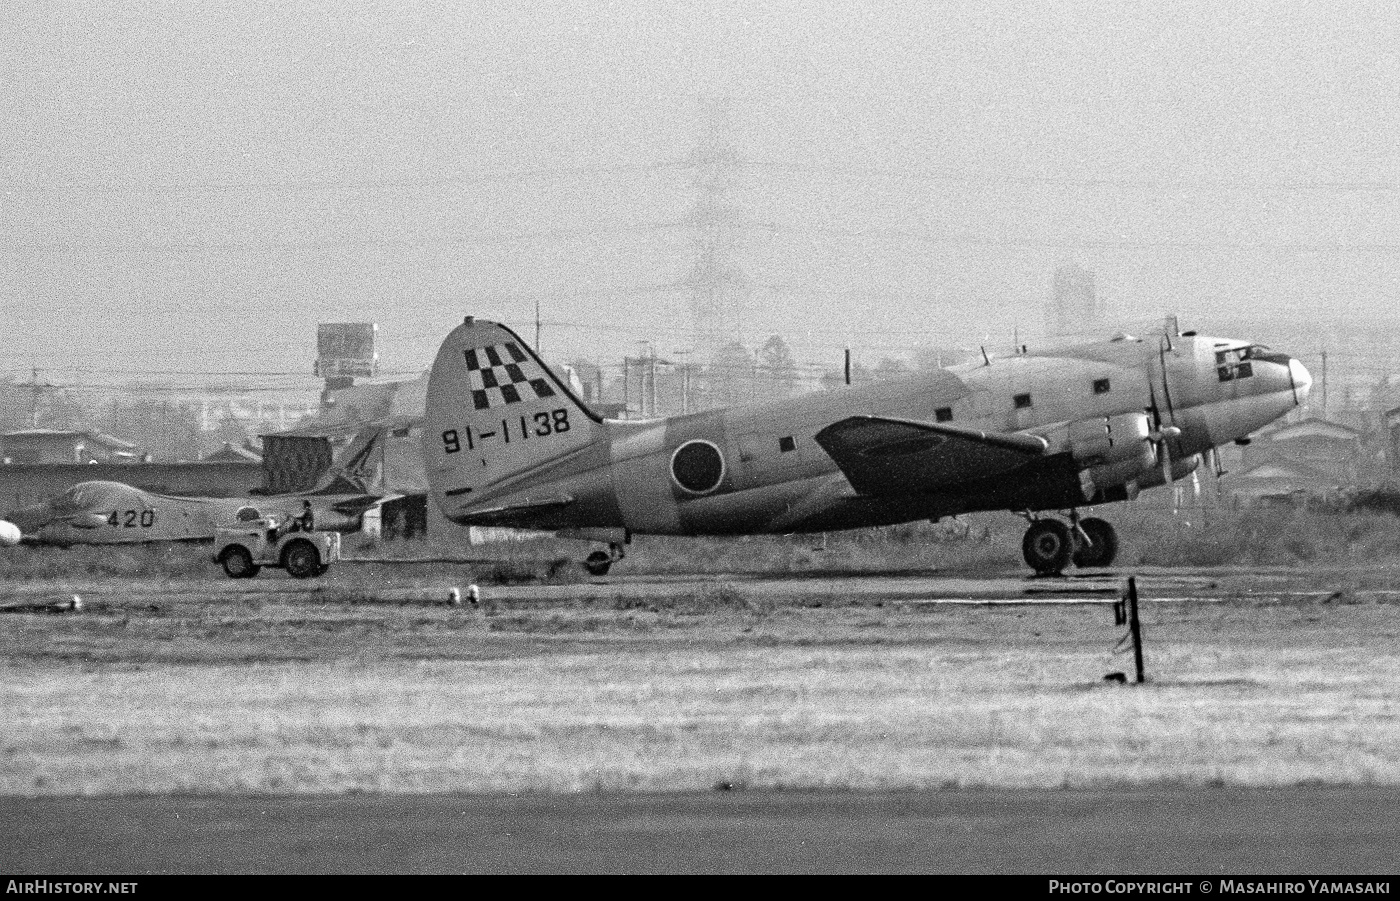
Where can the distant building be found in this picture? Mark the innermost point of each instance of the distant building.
(294, 463)
(64, 446)
(1311, 458)
(1332, 450)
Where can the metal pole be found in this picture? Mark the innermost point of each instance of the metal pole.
(1324, 383)
(848, 366)
(626, 388)
(1135, 626)
(652, 376)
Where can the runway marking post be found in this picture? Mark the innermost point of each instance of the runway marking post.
(1125, 612)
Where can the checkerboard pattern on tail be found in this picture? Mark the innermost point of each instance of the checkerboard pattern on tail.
(501, 374)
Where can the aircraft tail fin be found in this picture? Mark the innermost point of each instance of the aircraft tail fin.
(357, 469)
(496, 411)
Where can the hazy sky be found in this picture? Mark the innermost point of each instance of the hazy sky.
(195, 186)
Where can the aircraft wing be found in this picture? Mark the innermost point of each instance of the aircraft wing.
(880, 455)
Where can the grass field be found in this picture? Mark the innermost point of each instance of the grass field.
(174, 680)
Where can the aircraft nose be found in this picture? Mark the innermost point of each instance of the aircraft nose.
(1301, 378)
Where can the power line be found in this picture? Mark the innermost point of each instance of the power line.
(192, 247)
(1135, 184)
(847, 173)
(590, 232)
(349, 186)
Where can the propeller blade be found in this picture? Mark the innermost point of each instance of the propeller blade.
(1164, 451)
(1216, 464)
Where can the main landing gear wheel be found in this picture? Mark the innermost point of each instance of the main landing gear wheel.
(598, 563)
(1102, 547)
(1048, 546)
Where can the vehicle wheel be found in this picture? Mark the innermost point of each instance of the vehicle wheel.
(1103, 547)
(301, 561)
(1048, 546)
(238, 563)
(598, 563)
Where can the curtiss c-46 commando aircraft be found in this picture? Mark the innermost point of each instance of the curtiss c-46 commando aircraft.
(103, 512)
(506, 443)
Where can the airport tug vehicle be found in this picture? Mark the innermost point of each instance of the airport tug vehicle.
(245, 550)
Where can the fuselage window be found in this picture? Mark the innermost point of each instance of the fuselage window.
(1022, 401)
(1233, 364)
(787, 443)
(1102, 386)
(943, 414)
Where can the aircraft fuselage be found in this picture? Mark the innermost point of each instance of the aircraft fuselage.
(1114, 417)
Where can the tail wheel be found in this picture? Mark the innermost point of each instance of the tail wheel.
(1048, 546)
(301, 561)
(1103, 545)
(237, 562)
(598, 563)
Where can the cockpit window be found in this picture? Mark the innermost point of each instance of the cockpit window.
(1235, 363)
(90, 496)
(69, 500)
(79, 497)
(1258, 353)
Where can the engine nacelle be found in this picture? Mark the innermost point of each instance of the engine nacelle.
(9, 533)
(1113, 451)
(1111, 439)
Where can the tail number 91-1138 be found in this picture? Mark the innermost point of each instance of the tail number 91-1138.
(519, 428)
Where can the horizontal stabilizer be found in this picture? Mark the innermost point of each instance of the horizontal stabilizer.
(885, 456)
(354, 506)
(513, 513)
